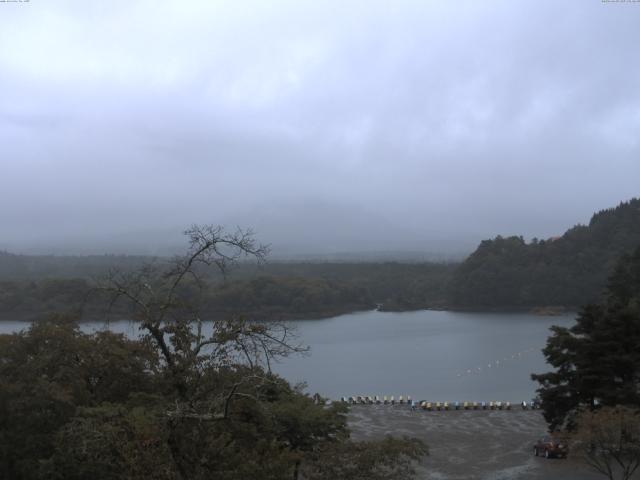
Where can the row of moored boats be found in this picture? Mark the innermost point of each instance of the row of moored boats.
(437, 406)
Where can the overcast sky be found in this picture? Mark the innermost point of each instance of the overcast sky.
(326, 126)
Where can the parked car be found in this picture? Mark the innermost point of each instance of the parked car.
(551, 446)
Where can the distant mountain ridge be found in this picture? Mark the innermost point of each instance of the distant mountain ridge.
(567, 271)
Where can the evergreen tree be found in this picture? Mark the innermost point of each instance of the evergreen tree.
(597, 361)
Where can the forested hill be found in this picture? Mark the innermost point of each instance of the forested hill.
(568, 271)
(33, 286)
(504, 273)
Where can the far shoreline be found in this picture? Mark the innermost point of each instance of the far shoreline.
(548, 311)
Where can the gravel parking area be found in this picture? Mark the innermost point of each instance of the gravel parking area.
(470, 444)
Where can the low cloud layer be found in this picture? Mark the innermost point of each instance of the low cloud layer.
(327, 126)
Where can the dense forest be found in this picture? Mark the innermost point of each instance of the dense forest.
(278, 291)
(261, 298)
(32, 285)
(37, 267)
(567, 271)
(503, 273)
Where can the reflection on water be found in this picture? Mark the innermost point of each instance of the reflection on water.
(426, 354)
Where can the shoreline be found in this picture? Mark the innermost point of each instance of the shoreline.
(545, 311)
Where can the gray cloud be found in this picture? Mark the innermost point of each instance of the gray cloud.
(326, 125)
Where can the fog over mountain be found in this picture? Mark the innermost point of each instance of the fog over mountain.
(326, 126)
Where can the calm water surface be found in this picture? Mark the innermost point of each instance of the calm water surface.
(426, 354)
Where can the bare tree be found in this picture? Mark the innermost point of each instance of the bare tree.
(207, 364)
(165, 298)
(609, 441)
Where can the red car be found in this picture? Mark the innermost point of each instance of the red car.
(551, 446)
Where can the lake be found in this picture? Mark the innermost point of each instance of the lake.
(439, 356)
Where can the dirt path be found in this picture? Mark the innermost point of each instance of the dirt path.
(470, 445)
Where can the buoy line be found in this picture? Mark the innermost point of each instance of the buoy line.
(479, 369)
